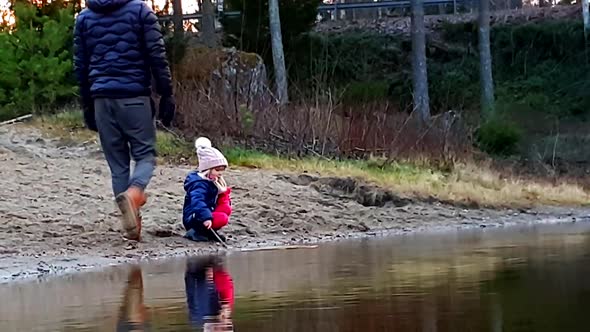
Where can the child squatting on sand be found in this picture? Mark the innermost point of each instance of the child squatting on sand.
(207, 203)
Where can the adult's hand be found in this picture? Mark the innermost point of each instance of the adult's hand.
(167, 110)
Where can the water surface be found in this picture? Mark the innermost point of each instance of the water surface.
(513, 279)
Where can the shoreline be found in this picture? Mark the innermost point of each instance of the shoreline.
(47, 268)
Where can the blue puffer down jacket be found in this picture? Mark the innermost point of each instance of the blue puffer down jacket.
(118, 46)
(199, 201)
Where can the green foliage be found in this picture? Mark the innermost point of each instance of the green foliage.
(537, 67)
(540, 67)
(365, 92)
(250, 31)
(368, 65)
(175, 46)
(69, 117)
(171, 147)
(499, 136)
(453, 84)
(353, 62)
(247, 118)
(36, 61)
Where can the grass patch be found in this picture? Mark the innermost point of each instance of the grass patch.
(464, 183)
(69, 127)
(396, 172)
(173, 149)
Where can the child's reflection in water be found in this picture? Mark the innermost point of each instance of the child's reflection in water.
(132, 315)
(209, 293)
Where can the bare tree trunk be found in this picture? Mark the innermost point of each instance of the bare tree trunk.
(586, 18)
(177, 17)
(419, 70)
(278, 55)
(208, 24)
(485, 59)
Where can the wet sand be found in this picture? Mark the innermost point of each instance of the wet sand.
(57, 213)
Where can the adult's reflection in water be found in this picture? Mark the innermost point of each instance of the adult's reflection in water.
(209, 293)
(132, 315)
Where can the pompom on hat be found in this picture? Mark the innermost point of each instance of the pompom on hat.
(209, 157)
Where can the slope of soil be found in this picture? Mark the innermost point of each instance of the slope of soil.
(57, 213)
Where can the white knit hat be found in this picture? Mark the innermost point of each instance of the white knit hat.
(209, 157)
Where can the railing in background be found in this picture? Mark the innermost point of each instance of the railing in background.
(333, 8)
(196, 16)
(340, 6)
(386, 4)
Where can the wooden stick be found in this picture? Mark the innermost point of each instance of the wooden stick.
(15, 120)
(286, 247)
(218, 238)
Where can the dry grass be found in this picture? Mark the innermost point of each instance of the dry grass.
(69, 127)
(465, 183)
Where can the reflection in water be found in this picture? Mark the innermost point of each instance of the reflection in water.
(209, 293)
(132, 315)
(531, 279)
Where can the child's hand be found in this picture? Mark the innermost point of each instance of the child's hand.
(221, 185)
(207, 224)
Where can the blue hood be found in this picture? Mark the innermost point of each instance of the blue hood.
(106, 6)
(191, 179)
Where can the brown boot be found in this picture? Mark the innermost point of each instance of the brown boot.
(129, 203)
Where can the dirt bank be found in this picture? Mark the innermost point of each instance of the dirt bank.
(57, 215)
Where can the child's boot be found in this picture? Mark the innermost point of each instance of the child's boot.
(192, 235)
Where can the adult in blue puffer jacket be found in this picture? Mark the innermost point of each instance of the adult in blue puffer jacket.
(118, 47)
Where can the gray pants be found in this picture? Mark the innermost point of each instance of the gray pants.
(127, 130)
